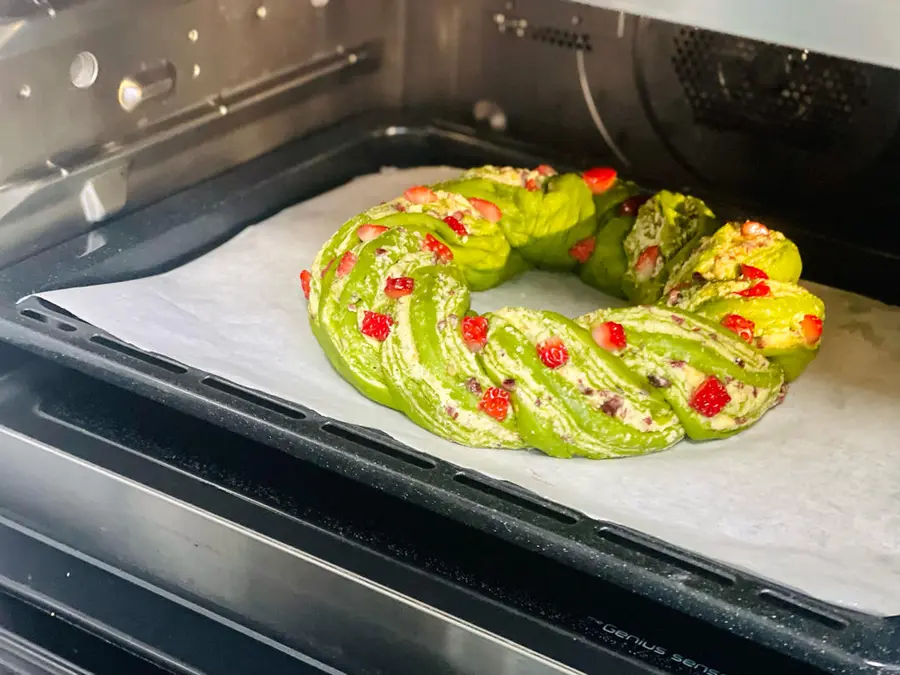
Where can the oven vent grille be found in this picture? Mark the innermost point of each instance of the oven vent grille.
(549, 35)
(745, 85)
(561, 38)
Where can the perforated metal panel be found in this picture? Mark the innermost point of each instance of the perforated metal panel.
(562, 38)
(760, 119)
(806, 99)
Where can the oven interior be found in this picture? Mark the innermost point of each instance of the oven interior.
(266, 104)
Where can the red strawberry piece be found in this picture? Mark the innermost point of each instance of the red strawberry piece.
(740, 326)
(600, 179)
(495, 402)
(346, 263)
(546, 170)
(327, 267)
(754, 229)
(609, 335)
(759, 290)
(420, 195)
(397, 287)
(646, 262)
(531, 184)
(441, 251)
(583, 249)
(552, 352)
(811, 325)
(751, 272)
(456, 225)
(369, 231)
(631, 205)
(488, 210)
(376, 326)
(710, 397)
(305, 278)
(474, 331)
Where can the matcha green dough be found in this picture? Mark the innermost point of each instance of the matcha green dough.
(720, 323)
(346, 299)
(715, 382)
(542, 224)
(591, 405)
(721, 256)
(786, 318)
(662, 232)
(431, 373)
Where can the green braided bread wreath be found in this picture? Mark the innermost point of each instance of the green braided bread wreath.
(719, 323)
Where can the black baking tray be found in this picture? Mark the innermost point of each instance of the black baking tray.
(185, 225)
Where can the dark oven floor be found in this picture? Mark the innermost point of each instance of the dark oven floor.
(485, 552)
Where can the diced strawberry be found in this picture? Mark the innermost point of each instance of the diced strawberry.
(754, 229)
(397, 287)
(740, 326)
(327, 267)
(710, 397)
(369, 231)
(346, 263)
(811, 325)
(420, 195)
(646, 262)
(456, 225)
(759, 290)
(474, 331)
(751, 272)
(546, 170)
(531, 184)
(442, 252)
(600, 179)
(495, 402)
(631, 205)
(305, 278)
(552, 352)
(488, 210)
(583, 249)
(609, 335)
(376, 326)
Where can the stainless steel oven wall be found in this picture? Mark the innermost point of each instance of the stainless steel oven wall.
(775, 130)
(108, 103)
(553, 71)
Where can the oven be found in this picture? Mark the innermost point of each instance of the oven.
(161, 516)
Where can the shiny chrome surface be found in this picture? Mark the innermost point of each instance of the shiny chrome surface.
(104, 84)
(339, 616)
(862, 31)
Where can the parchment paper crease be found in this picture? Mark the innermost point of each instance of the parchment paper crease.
(810, 497)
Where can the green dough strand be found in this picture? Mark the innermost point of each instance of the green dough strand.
(434, 378)
(677, 352)
(778, 316)
(591, 406)
(607, 264)
(663, 234)
(720, 256)
(341, 241)
(345, 300)
(607, 203)
(482, 253)
(542, 224)
(606, 267)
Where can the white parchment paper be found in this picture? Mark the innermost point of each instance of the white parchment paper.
(809, 497)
